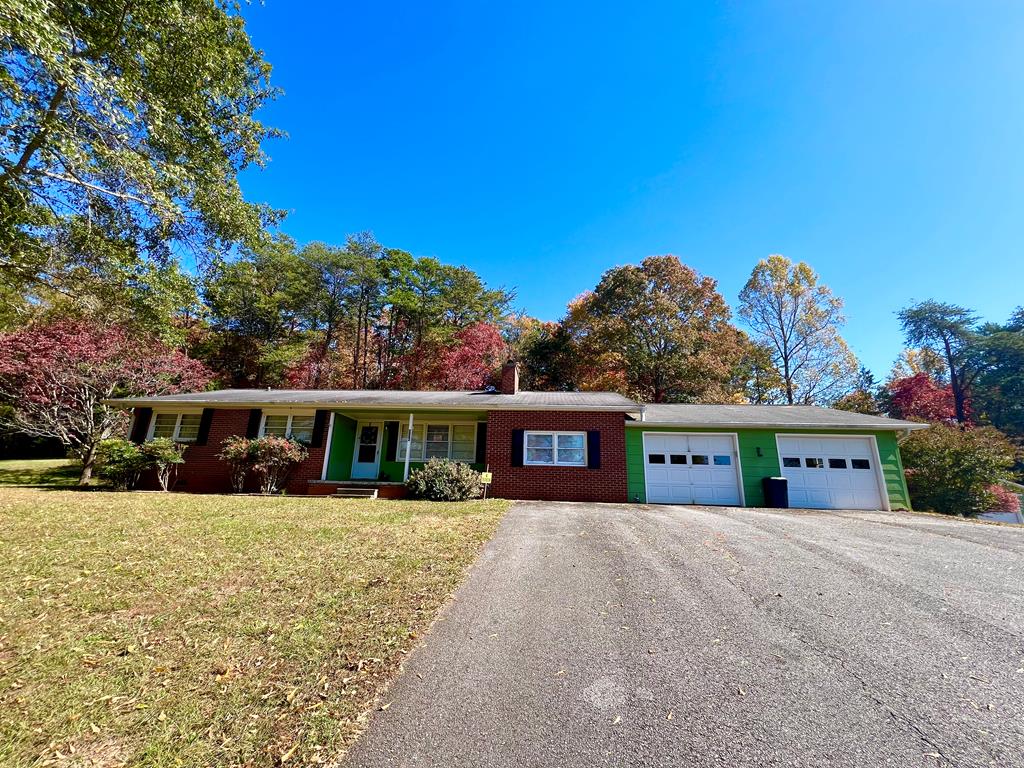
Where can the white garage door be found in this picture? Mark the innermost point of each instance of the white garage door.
(691, 469)
(831, 472)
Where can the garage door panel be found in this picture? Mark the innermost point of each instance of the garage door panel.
(831, 472)
(689, 469)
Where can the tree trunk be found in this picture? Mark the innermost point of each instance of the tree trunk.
(956, 385)
(88, 462)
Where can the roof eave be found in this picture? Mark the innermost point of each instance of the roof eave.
(146, 403)
(899, 426)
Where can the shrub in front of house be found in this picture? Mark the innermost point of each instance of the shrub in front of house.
(235, 452)
(165, 455)
(953, 469)
(444, 480)
(270, 458)
(120, 462)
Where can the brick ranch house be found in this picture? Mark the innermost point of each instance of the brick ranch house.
(559, 446)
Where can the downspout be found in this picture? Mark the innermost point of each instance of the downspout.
(643, 413)
(408, 451)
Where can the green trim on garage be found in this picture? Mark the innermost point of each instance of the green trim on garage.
(755, 467)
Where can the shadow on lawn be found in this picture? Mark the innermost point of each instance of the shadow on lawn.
(62, 475)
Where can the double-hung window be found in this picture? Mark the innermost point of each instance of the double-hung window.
(297, 426)
(180, 427)
(566, 449)
(439, 441)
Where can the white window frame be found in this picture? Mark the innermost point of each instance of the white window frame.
(554, 446)
(288, 425)
(177, 424)
(426, 425)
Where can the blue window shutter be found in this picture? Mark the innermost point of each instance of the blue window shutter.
(517, 447)
(141, 426)
(481, 442)
(204, 426)
(253, 428)
(391, 452)
(593, 449)
(319, 429)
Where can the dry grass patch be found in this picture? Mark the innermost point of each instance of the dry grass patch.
(167, 630)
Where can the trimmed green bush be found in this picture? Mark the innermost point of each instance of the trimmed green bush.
(164, 454)
(444, 480)
(120, 462)
(952, 469)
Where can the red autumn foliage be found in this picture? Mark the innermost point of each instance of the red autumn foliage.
(1005, 499)
(472, 359)
(918, 398)
(56, 376)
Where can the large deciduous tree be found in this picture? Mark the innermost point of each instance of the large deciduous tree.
(123, 129)
(55, 377)
(999, 391)
(951, 332)
(798, 319)
(658, 331)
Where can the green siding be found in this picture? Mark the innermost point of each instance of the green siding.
(754, 468)
(343, 441)
(339, 465)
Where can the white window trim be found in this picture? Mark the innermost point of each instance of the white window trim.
(177, 424)
(288, 425)
(425, 425)
(554, 445)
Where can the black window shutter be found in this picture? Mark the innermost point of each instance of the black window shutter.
(319, 428)
(204, 426)
(481, 442)
(253, 428)
(391, 453)
(593, 449)
(141, 426)
(517, 448)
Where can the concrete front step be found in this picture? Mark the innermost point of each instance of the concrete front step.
(356, 493)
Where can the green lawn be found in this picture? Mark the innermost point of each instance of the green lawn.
(167, 629)
(50, 472)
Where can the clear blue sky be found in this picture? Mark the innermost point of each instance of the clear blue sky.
(541, 144)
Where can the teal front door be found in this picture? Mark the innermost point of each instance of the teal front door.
(366, 457)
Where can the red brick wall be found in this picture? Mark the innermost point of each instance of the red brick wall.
(557, 483)
(203, 472)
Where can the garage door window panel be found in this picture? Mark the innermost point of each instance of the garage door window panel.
(699, 460)
(678, 458)
(860, 464)
(657, 458)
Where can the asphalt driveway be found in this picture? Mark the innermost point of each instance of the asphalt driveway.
(594, 635)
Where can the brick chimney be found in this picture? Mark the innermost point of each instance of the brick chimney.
(510, 378)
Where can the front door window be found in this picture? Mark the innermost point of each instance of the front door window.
(368, 444)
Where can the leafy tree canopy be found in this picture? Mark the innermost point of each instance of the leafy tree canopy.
(798, 319)
(122, 131)
(659, 332)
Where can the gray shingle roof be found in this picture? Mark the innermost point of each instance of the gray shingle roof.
(367, 398)
(789, 416)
